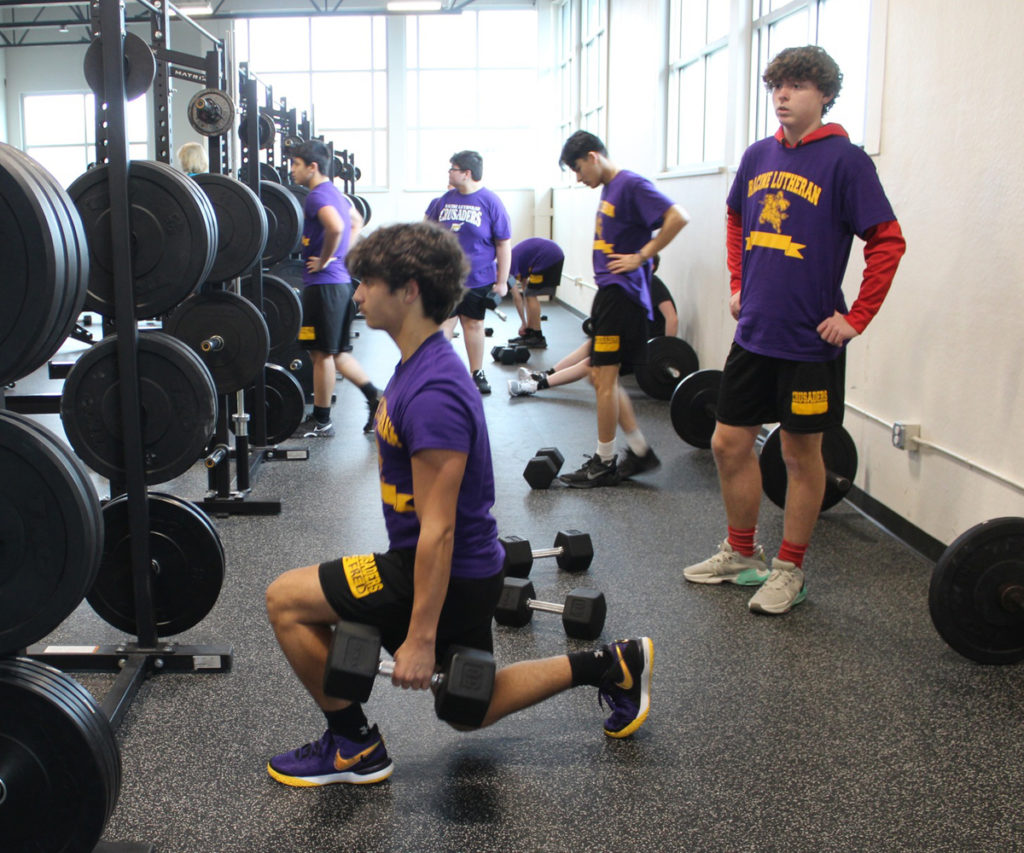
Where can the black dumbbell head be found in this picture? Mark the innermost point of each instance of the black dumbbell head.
(542, 469)
(352, 661)
(577, 550)
(512, 608)
(518, 556)
(464, 694)
(584, 614)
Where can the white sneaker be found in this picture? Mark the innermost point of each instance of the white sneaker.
(729, 566)
(522, 387)
(783, 590)
(523, 374)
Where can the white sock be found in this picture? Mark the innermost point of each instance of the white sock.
(637, 443)
(606, 450)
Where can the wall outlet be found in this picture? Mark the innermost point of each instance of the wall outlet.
(903, 435)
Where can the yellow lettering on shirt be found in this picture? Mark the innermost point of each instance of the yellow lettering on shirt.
(398, 501)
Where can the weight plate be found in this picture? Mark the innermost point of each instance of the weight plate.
(296, 361)
(290, 142)
(241, 225)
(669, 361)
(187, 566)
(173, 236)
(269, 173)
(284, 222)
(286, 403)
(266, 130)
(359, 203)
(50, 538)
(291, 269)
(838, 451)
(139, 67)
(211, 112)
(179, 407)
(59, 788)
(965, 595)
(693, 407)
(282, 309)
(227, 332)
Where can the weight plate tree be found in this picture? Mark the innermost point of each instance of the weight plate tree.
(179, 407)
(284, 222)
(173, 236)
(282, 309)
(187, 566)
(976, 596)
(286, 403)
(241, 225)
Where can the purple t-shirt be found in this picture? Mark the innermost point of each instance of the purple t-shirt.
(431, 403)
(800, 208)
(313, 233)
(534, 255)
(631, 209)
(479, 220)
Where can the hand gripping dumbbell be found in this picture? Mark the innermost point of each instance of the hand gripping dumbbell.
(573, 551)
(541, 470)
(582, 614)
(462, 689)
(511, 354)
(492, 301)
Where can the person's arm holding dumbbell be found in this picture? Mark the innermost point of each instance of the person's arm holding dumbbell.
(437, 477)
(503, 255)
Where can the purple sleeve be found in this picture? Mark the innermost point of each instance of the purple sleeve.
(650, 203)
(438, 421)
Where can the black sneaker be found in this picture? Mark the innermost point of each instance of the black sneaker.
(372, 404)
(531, 338)
(481, 382)
(320, 430)
(626, 689)
(593, 473)
(631, 464)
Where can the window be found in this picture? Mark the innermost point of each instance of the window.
(471, 83)
(593, 66)
(565, 69)
(698, 82)
(335, 68)
(839, 26)
(59, 132)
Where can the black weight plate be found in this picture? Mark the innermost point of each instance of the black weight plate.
(300, 192)
(291, 270)
(266, 130)
(269, 173)
(50, 539)
(286, 403)
(139, 66)
(227, 332)
(72, 235)
(187, 570)
(179, 407)
(837, 450)
(296, 361)
(669, 360)
(241, 225)
(362, 208)
(211, 112)
(173, 236)
(693, 407)
(31, 287)
(284, 221)
(964, 595)
(282, 309)
(57, 787)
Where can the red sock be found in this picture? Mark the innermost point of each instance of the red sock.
(742, 541)
(792, 553)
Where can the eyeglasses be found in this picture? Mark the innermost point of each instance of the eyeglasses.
(457, 169)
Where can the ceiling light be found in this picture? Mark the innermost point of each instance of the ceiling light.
(196, 11)
(414, 5)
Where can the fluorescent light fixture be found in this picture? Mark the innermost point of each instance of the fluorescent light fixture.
(414, 5)
(196, 11)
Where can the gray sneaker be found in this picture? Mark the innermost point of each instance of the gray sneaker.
(729, 566)
(320, 431)
(783, 590)
(522, 387)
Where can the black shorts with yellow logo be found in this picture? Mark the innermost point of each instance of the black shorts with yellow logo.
(802, 396)
(544, 282)
(327, 314)
(377, 589)
(619, 326)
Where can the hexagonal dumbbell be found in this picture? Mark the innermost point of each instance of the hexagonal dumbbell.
(573, 551)
(583, 613)
(542, 469)
(462, 689)
(511, 354)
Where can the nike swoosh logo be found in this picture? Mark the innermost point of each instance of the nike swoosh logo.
(627, 681)
(592, 476)
(346, 763)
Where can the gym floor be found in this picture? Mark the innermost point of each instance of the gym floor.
(845, 725)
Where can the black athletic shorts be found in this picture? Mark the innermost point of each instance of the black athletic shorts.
(377, 589)
(802, 396)
(543, 283)
(472, 304)
(327, 312)
(620, 328)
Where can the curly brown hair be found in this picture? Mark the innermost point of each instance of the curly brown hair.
(809, 64)
(423, 251)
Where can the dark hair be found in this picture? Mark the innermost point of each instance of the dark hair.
(470, 161)
(423, 251)
(578, 146)
(312, 152)
(809, 64)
